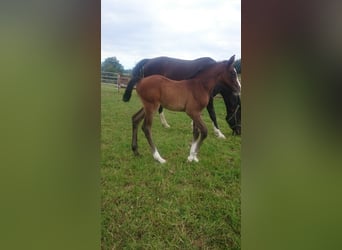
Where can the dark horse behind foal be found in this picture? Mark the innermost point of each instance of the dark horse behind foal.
(177, 69)
(190, 96)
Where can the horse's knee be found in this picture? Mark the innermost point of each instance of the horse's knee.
(195, 132)
(146, 129)
(204, 133)
(134, 124)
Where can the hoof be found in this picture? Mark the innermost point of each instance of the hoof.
(162, 161)
(192, 158)
(157, 157)
(219, 134)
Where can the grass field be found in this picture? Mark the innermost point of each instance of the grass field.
(177, 205)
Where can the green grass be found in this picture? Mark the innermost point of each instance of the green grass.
(176, 205)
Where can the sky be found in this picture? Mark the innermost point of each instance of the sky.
(132, 30)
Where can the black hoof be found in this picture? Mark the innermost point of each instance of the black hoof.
(137, 154)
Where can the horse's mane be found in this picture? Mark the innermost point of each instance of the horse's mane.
(207, 63)
(202, 68)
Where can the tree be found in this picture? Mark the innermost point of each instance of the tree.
(111, 64)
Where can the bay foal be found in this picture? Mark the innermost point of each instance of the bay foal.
(190, 96)
(179, 69)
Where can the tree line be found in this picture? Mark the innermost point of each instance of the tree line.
(112, 64)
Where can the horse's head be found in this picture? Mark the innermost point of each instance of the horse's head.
(234, 113)
(230, 77)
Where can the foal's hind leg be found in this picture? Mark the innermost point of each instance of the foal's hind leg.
(162, 118)
(200, 132)
(147, 130)
(136, 119)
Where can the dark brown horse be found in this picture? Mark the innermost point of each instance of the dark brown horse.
(178, 69)
(190, 96)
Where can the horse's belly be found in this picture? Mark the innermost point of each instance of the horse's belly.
(173, 104)
(173, 96)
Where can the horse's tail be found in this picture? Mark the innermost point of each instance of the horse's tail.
(137, 74)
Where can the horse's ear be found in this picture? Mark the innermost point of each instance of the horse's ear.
(231, 60)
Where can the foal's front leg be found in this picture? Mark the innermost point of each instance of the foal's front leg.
(193, 150)
(147, 130)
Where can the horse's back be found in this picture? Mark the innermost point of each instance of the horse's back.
(174, 68)
(171, 94)
(150, 84)
(154, 82)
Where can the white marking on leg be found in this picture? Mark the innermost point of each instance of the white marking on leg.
(157, 157)
(193, 154)
(218, 133)
(163, 120)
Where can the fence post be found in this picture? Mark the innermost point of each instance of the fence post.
(118, 82)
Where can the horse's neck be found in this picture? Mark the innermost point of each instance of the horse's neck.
(209, 78)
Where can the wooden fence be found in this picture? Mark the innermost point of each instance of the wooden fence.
(121, 80)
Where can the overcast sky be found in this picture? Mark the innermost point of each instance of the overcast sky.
(135, 29)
